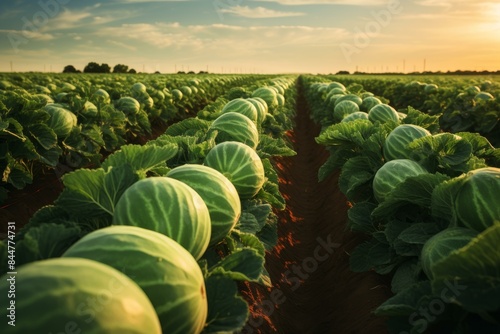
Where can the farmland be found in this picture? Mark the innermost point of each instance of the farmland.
(322, 237)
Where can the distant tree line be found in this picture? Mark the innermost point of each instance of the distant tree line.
(192, 72)
(459, 72)
(94, 67)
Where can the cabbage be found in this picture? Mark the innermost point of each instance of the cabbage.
(332, 99)
(101, 96)
(354, 116)
(369, 102)
(89, 109)
(138, 89)
(473, 90)
(186, 90)
(343, 109)
(395, 145)
(61, 120)
(430, 88)
(335, 84)
(128, 105)
(442, 244)
(336, 91)
(483, 96)
(67, 87)
(350, 97)
(383, 113)
(477, 203)
(176, 94)
(391, 174)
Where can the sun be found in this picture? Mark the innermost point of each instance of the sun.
(490, 19)
(492, 12)
(495, 10)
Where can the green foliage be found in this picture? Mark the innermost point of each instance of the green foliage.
(410, 233)
(90, 197)
(477, 269)
(101, 114)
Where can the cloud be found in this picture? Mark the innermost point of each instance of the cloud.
(447, 4)
(257, 12)
(104, 19)
(329, 2)
(122, 45)
(66, 20)
(29, 34)
(159, 35)
(88, 18)
(436, 3)
(225, 39)
(424, 16)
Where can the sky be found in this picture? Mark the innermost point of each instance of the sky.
(251, 36)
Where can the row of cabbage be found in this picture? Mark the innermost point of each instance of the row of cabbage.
(462, 103)
(427, 199)
(70, 121)
(157, 238)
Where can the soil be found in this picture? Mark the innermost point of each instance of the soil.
(22, 204)
(313, 290)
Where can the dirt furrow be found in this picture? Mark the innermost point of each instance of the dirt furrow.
(313, 289)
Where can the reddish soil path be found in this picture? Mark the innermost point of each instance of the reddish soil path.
(22, 204)
(313, 289)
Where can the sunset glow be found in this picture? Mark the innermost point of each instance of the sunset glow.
(249, 36)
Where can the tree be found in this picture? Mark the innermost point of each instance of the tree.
(105, 68)
(70, 69)
(120, 68)
(132, 71)
(92, 67)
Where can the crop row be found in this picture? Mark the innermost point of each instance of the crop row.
(462, 104)
(427, 199)
(184, 217)
(63, 122)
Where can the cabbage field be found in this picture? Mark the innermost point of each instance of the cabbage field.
(238, 203)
